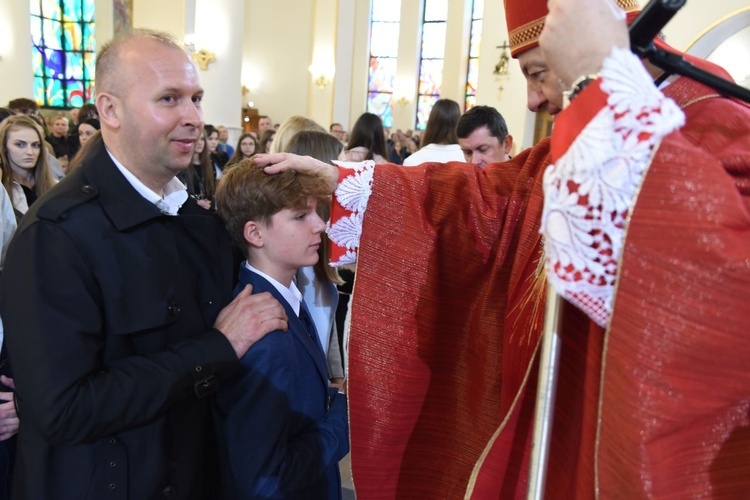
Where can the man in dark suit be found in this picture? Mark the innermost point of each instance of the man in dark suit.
(114, 295)
(282, 429)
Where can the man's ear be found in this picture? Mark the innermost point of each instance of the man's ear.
(253, 234)
(108, 107)
(508, 144)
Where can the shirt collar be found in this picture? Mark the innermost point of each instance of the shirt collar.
(292, 294)
(175, 192)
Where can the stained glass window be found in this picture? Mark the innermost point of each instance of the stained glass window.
(472, 74)
(431, 58)
(384, 26)
(63, 56)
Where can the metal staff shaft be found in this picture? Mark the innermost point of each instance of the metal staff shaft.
(545, 395)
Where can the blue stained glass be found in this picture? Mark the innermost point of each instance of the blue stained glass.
(384, 40)
(75, 96)
(478, 10)
(433, 40)
(435, 10)
(73, 36)
(89, 39)
(476, 37)
(37, 62)
(88, 11)
(63, 58)
(36, 31)
(53, 63)
(380, 104)
(73, 66)
(430, 76)
(54, 94)
(51, 9)
(382, 74)
(386, 10)
(52, 33)
(89, 64)
(39, 90)
(72, 10)
(424, 107)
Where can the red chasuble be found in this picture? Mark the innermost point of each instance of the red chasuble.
(447, 314)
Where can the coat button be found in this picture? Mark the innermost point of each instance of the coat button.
(169, 492)
(112, 440)
(88, 189)
(174, 309)
(113, 464)
(112, 486)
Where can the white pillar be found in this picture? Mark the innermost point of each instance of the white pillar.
(15, 51)
(218, 28)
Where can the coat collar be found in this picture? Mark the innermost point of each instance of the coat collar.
(125, 207)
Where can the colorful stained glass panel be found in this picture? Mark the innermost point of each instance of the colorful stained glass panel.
(382, 73)
(379, 103)
(51, 9)
(53, 63)
(472, 77)
(72, 36)
(63, 57)
(52, 33)
(471, 101)
(54, 93)
(430, 76)
(72, 11)
(424, 107)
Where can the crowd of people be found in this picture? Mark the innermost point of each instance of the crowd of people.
(171, 326)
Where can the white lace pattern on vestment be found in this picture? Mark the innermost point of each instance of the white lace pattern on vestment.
(352, 193)
(590, 189)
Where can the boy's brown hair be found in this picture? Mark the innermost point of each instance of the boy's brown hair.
(246, 193)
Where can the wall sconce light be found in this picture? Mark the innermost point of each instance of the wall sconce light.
(322, 82)
(322, 74)
(503, 65)
(401, 101)
(201, 56)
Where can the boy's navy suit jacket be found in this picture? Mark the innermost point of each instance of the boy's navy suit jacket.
(282, 430)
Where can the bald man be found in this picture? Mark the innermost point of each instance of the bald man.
(116, 290)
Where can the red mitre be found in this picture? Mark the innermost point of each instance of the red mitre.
(525, 19)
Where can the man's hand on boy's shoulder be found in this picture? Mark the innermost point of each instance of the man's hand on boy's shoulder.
(249, 317)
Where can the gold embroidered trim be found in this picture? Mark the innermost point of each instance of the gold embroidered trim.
(526, 35)
(597, 442)
(699, 99)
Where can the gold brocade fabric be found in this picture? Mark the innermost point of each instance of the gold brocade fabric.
(447, 314)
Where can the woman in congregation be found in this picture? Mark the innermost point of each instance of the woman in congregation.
(247, 146)
(367, 141)
(200, 177)
(289, 129)
(266, 140)
(25, 173)
(439, 141)
(218, 157)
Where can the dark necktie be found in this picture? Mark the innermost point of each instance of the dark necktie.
(304, 315)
